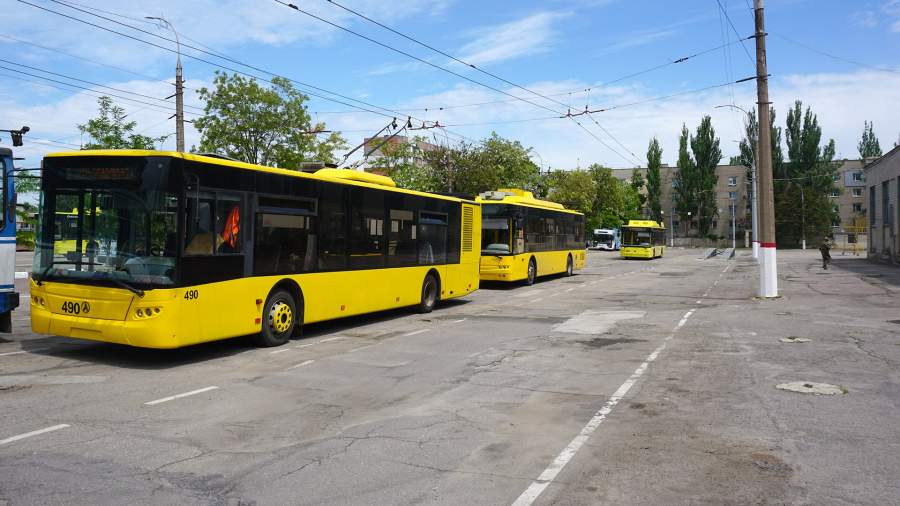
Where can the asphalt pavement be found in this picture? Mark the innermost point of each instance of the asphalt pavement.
(632, 382)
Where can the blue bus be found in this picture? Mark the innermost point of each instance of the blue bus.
(9, 298)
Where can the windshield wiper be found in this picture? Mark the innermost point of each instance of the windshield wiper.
(40, 279)
(133, 289)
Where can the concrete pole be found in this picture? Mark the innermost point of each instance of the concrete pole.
(179, 108)
(768, 268)
(754, 202)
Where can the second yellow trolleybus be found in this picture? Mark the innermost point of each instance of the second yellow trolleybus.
(523, 237)
(168, 249)
(643, 239)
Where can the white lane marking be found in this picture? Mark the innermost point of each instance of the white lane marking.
(570, 289)
(535, 300)
(179, 396)
(22, 351)
(415, 332)
(33, 433)
(552, 471)
(726, 268)
(354, 350)
(458, 321)
(700, 301)
(279, 351)
(301, 364)
(330, 339)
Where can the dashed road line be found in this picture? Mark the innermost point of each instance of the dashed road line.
(354, 350)
(301, 364)
(279, 351)
(45, 430)
(458, 321)
(335, 338)
(535, 300)
(179, 396)
(537, 487)
(415, 332)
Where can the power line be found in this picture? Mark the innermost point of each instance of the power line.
(834, 57)
(219, 65)
(93, 62)
(91, 92)
(738, 35)
(88, 82)
(444, 69)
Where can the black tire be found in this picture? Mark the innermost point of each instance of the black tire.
(279, 319)
(570, 266)
(532, 272)
(431, 294)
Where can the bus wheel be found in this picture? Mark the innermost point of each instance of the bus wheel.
(570, 266)
(532, 272)
(430, 295)
(279, 319)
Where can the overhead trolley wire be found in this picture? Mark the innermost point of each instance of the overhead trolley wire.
(444, 69)
(738, 35)
(834, 57)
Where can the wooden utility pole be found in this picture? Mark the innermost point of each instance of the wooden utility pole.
(768, 269)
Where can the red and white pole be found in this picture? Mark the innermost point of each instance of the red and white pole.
(768, 267)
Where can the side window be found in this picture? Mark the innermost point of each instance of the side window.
(284, 244)
(432, 238)
(213, 224)
(332, 228)
(366, 228)
(200, 227)
(401, 238)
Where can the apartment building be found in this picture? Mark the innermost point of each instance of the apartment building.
(882, 184)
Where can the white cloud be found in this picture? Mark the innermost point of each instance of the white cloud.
(530, 35)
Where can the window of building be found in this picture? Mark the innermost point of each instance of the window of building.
(834, 193)
(732, 195)
(857, 192)
(872, 206)
(857, 207)
(858, 176)
(836, 178)
(886, 204)
(732, 181)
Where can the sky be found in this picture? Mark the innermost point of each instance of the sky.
(840, 57)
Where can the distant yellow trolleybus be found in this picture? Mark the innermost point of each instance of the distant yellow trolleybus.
(523, 237)
(164, 249)
(643, 239)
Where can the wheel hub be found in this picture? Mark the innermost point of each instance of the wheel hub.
(280, 317)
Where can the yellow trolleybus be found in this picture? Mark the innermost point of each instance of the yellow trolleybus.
(643, 239)
(182, 249)
(523, 237)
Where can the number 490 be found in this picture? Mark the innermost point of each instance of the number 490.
(191, 294)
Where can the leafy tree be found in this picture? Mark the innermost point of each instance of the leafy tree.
(575, 189)
(685, 180)
(707, 155)
(811, 166)
(263, 125)
(637, 184)
(404, 162)
(654, 180)
(110, 130)
(868, 145)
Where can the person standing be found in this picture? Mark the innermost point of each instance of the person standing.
(825, 250)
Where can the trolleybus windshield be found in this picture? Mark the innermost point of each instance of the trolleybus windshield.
(109, 219)
(640, 237)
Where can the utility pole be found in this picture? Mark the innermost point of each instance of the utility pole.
(768, 268)
(754, 188)
(179, 85)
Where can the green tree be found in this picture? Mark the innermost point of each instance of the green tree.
(610, 208)
(110, 130)
(685, 180)
(574, 189)
(638, 184)
(812, 167)
(404, 162)
(868, 145)
(262, 125)
(706, 154)
(654, 179)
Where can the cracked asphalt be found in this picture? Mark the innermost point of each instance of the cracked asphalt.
(473, 402)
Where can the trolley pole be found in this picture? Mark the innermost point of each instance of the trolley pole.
(768, 269)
